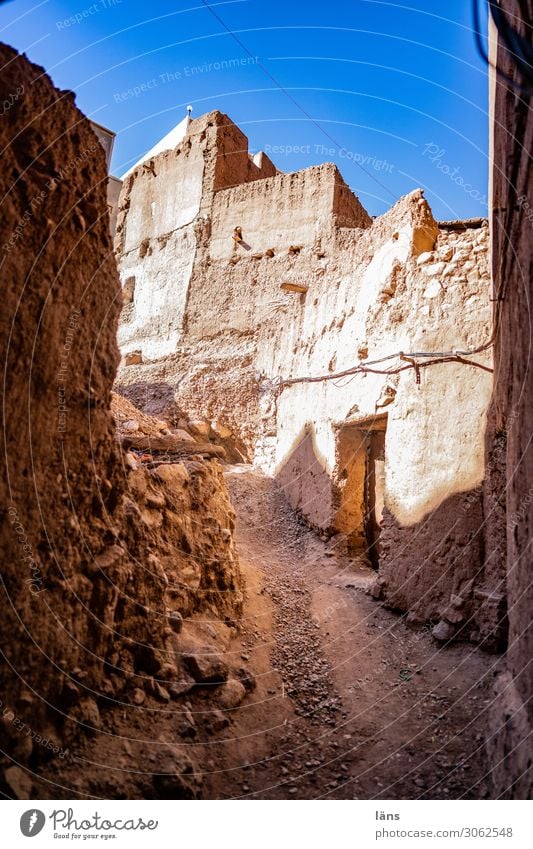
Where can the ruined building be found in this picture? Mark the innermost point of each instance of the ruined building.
(243, 285)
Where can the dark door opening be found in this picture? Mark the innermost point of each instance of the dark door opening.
(374, 493)
(360, 479)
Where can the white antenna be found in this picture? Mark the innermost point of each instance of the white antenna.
(189, 110)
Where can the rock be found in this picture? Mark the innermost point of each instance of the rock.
(434, 269)
(170, 444)
(108, 557)
(461, 255)
(200, 427)
(157, 690)
(183, 434)
(433, 290)
(206, 668)
(174, 473)
(87, 713)
(387, 396)
(246, 678)
(376, 589)
(217, 720)
(445, 254)
(110, 686)
(19, 782)
(186, 726)
(221, 430)
(128, 290)
(131, 461)
(155, 500)
(415, 619)
(175, 620)
(230, 694)
(168, 672)
(138, 696)
(176, 777)
(134, 358)
(130, 426)
(424, 257)
(179, 688)
(443, 631)
(456, 600)
(453, 615)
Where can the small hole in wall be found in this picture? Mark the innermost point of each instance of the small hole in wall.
(128, 290)
(144, 248)
(395, 236)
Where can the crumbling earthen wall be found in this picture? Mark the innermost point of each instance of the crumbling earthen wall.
(98, 557)
(161, 220)
(508, 492)
(314, 288)
(283, 211)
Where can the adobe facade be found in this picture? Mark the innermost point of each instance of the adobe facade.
(219, 326)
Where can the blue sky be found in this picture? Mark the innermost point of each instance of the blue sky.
(395, 88)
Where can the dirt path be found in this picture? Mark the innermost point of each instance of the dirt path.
(350, 702)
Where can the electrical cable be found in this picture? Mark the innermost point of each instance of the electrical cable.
(432, 358)
(517, 46)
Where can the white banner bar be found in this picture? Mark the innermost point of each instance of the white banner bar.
(264, 825)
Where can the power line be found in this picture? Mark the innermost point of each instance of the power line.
(293, 100)
(518, 46)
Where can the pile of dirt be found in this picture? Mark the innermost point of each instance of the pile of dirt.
(130, 419)
(137, 411)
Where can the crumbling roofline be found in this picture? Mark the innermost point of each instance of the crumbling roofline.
(463, 224)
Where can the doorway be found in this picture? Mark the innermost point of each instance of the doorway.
(360, 485)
